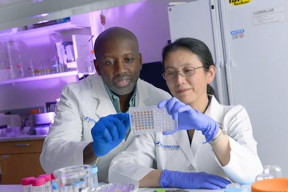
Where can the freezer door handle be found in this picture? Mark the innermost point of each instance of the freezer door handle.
(229, 64)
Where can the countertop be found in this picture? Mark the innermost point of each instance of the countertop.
(18, 188)
(11, 188)
(23, 138)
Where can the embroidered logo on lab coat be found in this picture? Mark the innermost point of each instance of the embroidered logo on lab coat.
(89, 120)
(167, 147)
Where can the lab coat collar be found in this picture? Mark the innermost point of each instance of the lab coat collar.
(98, 87)
(215, 111)
(104, 105)
(142, 96)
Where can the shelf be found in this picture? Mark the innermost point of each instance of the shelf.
(40, 77)
(30, 33)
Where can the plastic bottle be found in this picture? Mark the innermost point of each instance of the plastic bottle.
(27, 184)
(30, 69)
(19, 71)
(48, 179)
(90, 62)
(38, 184)
(54, 184)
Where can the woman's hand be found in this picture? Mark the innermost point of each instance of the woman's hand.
(189, 118)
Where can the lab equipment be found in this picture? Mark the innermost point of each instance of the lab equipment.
(94, 177)
(74, 178)
(27, 184)
(54, 184)
(189, 118)
(269, 172)
(48, 179)
(268, 185)
(42, 121)
(274, 170)
(233, 187)
(150, 119)
(246, 188)
(170, 190)
(119, 187)
(192, 180)
(263, 176)
(3, 130)
(108, 132)
(38, 184)
(42, 130)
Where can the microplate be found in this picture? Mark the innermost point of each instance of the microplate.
(150, 119)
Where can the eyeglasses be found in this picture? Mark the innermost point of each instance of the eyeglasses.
(185, 72)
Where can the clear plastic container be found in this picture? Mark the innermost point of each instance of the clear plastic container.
(3, 131)
(150, 119)
(94, 177)
(42, 130)
(274, 170)
(269, 172)
(74, 178)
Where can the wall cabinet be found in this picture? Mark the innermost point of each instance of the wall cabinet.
(19, 159)
(26, 54)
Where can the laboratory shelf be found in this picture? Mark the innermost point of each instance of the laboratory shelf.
(32, 33)
(40, 77)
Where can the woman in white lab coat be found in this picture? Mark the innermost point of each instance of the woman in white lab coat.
(211, 141)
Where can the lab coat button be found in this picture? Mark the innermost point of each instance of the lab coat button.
(190, 168)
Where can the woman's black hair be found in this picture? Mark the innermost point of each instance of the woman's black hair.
(197, 47)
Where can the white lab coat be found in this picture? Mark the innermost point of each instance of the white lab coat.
(174, 152)
(80, 105)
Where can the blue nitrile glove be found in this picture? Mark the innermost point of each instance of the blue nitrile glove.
(189, 118)
(108, 132)
(191, 180)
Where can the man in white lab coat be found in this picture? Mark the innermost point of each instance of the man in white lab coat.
(91, 125)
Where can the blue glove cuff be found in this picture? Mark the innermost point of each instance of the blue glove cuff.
(164, 179)
(210, 133)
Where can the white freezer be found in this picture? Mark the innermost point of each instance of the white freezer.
(252, 62)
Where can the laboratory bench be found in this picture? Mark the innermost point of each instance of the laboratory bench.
(19, 158)
(18, 188)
